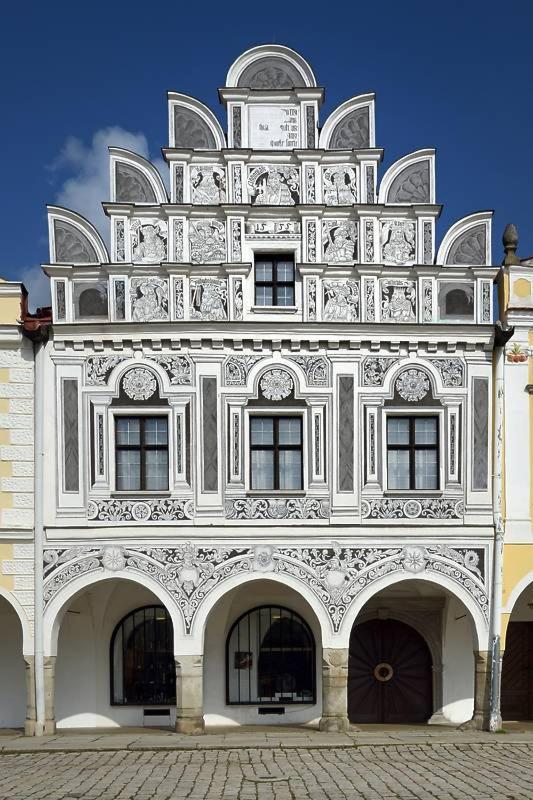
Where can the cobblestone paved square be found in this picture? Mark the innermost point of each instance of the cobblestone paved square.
(426, 772)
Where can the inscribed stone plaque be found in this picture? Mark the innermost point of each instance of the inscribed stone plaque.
(210, 434)
(346, 433)
(480, 423)
(274, 127)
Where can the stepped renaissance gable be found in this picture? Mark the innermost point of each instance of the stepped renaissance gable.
(268, 445)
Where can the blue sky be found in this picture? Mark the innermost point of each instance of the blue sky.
(457, 76)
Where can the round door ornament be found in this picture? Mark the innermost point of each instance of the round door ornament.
(383, 672)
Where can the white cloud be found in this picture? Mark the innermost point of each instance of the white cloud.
(37, 284)
(87, 166)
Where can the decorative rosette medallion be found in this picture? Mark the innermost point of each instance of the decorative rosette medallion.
(139, 383)
(276, 384)
(412, 385)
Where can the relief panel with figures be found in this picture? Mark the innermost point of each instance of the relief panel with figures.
(339, 185)
(398, 241)
(341, 300)
(208, 184)
(274, 185)
(339, 239)
(149, 299)
(397, 300)
(209, 299)
(207, 241)
(148, 241)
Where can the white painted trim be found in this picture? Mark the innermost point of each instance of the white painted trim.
(270, 51)
(178, 99)
(27, 635)
(520, 587)
(359, 101)
(417, 157)
(120, 155)
(459, 227)
(83, 225)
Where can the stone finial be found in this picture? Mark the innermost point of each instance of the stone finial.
(510, 243)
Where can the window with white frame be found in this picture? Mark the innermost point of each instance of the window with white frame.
(276, 453)
(274, 279)
(412, 452)
(141, 453)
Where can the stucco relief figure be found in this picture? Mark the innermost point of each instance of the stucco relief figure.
(208, 185)
(341, 300)
(207, 241)
(209, 297)
(398, 301)
(340, 186)
(149, 241)
(398, 241)
(340, 240)
(274, 186)
(149, 299)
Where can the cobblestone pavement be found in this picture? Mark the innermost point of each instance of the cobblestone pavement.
(439, 771)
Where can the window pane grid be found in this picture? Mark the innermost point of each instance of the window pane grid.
(141, 457)
(412, 453)
(276, 453)
(274, 281)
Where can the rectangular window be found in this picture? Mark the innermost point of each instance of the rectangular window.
(141, 447)
(412, 453)
(274, 280)
(276, 453)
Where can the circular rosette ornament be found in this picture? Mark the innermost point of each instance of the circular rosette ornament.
(414, 559)
(113, 558)
(263, 560)
(139, 383)
(140, 511)
(412, 385)
(276, 384)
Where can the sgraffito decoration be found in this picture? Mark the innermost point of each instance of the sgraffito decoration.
(148, 241)
(236, 369)
(276, 384)
(209, 298)
(339, 185)
(341, 300)
(149, 299)
(339, 239)
(398, 300)
(207, 241)
(316, 369)
(398, 241)
(139, 383)
(208, 184)
(274, 185)
(375, 369)
(412, 385)
(335, 575)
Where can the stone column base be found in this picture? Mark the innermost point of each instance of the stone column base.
(49, 690)
(335, 724)
(189, 695)
(481, 717)
(30, 722)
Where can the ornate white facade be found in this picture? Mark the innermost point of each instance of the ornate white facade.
(371, 328)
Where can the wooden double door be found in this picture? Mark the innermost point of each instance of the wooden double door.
(517, 672)
(390, 676)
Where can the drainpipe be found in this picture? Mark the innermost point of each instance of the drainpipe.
(502, 336)
(39, 350)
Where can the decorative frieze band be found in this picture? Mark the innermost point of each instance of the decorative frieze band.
(334, 575)
(410, 508)
(116, 510)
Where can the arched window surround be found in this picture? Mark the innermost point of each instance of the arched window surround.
(305, 630)
(166, 655)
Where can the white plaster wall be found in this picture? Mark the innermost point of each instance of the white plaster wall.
(12, 670)
(222, 617)
(82, 686)
(457, 663)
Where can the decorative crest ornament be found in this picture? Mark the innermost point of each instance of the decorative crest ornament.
(276, 384)
(139, 383)
(412, 385)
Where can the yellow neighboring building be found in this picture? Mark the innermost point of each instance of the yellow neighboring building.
(16, 512)
(516, 304)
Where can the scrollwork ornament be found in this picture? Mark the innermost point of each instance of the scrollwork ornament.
(412, 385)
(276, 384)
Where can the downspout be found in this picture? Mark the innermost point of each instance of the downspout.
(501, 337)
(39, 350)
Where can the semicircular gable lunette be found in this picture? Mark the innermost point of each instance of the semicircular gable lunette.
(271, 72)
(412, 184)
(191, 131)
(73, 240)
(131, 185)
(469, 248)
(352, 131)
